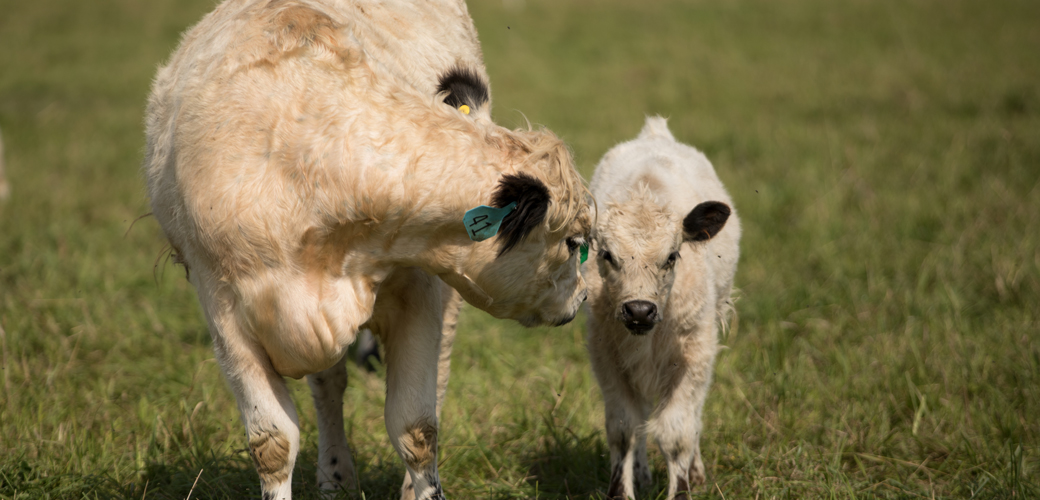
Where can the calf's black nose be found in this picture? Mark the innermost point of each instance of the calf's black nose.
(639, 315)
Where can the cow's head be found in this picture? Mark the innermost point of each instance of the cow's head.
(529, 269)
(639, 243)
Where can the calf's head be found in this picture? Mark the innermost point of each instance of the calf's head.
(639, 244)
(530, 269)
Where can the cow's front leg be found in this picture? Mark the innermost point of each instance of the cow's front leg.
(452, 302)
(335, 464)
(264, 403)
(267, 410)
(408, 317)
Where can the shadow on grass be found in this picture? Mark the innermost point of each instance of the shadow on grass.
(234, 477)
(21, 479)
(569, 465)
(213, 477)
(573, 466)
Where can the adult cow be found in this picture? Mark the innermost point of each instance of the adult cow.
(312, 163)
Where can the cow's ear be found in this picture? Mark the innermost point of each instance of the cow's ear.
(705, 221)
(532, 203)
(463, 87)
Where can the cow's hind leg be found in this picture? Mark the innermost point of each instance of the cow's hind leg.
(367, 350)
(335, 464)
(408, 317)
(452, 302)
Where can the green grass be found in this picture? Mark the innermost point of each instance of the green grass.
(884, 157)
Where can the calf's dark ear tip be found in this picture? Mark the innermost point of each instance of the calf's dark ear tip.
(705, 220)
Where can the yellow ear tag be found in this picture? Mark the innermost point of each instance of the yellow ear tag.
(464, 109)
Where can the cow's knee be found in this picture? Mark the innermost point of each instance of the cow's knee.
(419, 445)
(272, 454)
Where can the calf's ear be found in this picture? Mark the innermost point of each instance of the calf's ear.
(705, 221)
(532, 203)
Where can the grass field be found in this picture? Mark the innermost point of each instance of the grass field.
(884, 156)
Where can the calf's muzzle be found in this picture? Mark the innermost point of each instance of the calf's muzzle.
(639, 316)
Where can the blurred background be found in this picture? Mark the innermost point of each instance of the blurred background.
(884, 156)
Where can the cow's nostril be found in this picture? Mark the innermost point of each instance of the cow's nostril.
(639, 311)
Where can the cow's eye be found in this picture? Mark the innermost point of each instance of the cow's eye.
(578, 244)
(671, 260)
(608, 257)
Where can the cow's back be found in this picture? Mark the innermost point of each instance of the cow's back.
(212, 131)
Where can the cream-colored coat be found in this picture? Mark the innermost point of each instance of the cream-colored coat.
(655, 381)
(312, 181)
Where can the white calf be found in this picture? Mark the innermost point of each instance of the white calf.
(311, 163)
(667, 245)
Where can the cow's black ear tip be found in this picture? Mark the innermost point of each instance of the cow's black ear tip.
(532, 204)
(463, 86)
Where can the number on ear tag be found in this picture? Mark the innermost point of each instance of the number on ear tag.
(483, 222)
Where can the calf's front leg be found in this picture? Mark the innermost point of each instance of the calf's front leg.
(677, 426)
(627, 444)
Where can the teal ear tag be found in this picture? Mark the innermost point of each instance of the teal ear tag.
(483, 222)
(584, 252)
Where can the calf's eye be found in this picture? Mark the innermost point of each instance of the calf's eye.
(671, 260)
(605, 255)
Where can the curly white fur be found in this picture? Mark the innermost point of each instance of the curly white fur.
(655, 382)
